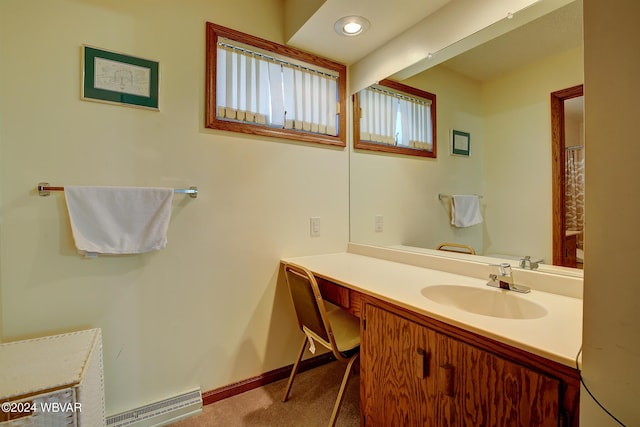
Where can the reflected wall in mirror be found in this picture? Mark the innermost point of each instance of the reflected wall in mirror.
(499, 93)
(395, 118)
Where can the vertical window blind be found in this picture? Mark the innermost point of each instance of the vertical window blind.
(256, 88)
(395, 119)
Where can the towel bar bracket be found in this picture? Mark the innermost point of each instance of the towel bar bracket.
(41, 191)
(45, 190)
(191, 191)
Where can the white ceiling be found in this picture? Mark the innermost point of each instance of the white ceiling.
(557, 31)
(553, 33)
(387, 18)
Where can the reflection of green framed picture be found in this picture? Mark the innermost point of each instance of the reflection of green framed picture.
(119, 79)
(460, 143)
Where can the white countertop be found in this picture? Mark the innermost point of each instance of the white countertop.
(556, 336)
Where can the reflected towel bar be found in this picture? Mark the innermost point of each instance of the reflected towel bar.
(44, 190)
(446, 196)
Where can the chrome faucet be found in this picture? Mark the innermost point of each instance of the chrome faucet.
(504, 280)
(526, 263)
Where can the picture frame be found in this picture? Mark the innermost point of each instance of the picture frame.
(460, 143)
(116, 78)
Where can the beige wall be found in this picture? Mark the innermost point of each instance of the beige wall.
(207, 310)
(574, 125)
(611, 348)
(517, 156)
(296, 13)
(405, 189)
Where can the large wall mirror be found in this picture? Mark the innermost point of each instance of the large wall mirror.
(498, 94)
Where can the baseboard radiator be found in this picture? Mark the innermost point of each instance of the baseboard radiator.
(160, 413)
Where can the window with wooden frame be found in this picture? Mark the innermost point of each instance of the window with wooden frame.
(263, 88)
(395, 118)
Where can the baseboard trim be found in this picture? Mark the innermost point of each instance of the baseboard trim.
(234, 389)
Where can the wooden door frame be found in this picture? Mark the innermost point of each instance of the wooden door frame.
(557, 169)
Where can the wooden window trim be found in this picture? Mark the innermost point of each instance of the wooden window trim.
(214, 31)
(559, 249)
(366, 145)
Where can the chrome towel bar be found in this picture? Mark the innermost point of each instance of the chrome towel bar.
(44, 190)
(446, 196)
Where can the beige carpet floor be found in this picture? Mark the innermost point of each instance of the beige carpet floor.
(309, 405)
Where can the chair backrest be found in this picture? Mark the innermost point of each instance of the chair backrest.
(308, 303)
(460, 248)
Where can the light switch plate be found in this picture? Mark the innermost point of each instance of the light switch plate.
(315, 226)
(379, 223)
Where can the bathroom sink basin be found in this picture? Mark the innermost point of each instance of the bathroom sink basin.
(487, 302)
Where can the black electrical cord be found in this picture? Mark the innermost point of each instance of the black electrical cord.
(591, 394)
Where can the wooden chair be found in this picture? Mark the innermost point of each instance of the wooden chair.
(322, 323)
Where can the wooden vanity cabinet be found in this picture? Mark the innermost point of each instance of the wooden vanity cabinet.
(413, 374)
(418, 371)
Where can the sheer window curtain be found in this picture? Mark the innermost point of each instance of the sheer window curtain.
(310, 100)
(241, 92)
(254, 88)
(418, 129)
(395, 120)
(378, 119)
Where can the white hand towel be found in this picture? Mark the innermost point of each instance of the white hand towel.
(119, 220)
(465, 211)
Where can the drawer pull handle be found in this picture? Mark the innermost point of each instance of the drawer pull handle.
(446, 379)
(422, 364)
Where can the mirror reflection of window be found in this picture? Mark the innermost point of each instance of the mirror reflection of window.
(395, 118)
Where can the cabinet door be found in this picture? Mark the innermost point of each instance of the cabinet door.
(414, 376)
(398, 385)
(449, 382)
(491, 391)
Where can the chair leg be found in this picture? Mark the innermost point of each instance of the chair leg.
(294, 371)
(343, 386)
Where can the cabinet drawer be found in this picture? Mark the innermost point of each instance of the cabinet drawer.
(339, 295)
(333, 293)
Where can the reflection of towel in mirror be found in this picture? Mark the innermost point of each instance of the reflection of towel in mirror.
(465, 211)
(119, 220)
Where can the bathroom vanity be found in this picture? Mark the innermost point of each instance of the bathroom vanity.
(441, 348)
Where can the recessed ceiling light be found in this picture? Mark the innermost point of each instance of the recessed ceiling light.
(351, 25)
